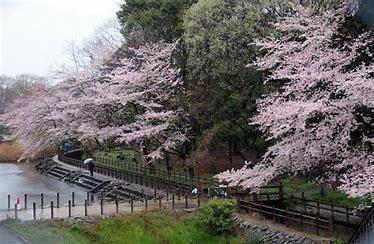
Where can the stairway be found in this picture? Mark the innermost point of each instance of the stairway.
(106, 189)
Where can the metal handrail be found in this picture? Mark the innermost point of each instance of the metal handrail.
(364, 221)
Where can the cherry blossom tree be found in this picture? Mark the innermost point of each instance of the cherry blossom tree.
(322, 117)
(135, 102)
(36, 120)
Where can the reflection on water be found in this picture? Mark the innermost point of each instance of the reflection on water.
(18, 179)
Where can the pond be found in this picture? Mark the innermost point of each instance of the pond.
(18, 179)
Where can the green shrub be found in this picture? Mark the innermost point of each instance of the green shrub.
(218, 215)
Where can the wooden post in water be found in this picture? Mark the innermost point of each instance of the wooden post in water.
(25, 201)
(73, 199)
(34, 210)
(85, 207)
(69, 207)
(41, 200)
(15, 211)
(51, 209)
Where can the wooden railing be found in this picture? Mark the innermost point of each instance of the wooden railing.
(289, 216)
(340, 214)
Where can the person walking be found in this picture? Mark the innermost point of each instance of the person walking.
(90, 165)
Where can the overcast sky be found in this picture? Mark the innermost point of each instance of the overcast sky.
(34, 34)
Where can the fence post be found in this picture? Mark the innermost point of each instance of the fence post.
(41, 200)
(102, 206)
(132, 204)
(25, 200)
(58, 199)
(8, 202)
(143, 194)
(347, 214)
(15, 211)
(51, 209)
(186, 203)
(34, 210)
(304, 202)
(281, 193)
(173, 202)
(159, 202)
(331, 227)
(73, 199)
(69, 206)
(301, 220)
(116, 204)
(146, 204)
(85, 207)
(88, 197)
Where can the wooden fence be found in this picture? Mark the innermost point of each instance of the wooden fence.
(342, 215)
(289, 216)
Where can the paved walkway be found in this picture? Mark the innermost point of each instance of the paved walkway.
(95, 209)
(6, 237)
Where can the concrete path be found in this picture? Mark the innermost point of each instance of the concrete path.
(6, 237)
(95, 209)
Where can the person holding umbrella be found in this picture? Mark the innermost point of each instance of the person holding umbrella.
(90, 165)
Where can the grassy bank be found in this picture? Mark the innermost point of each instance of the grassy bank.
(150, 227)
(315, 192)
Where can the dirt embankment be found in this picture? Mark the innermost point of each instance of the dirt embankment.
(11, 152)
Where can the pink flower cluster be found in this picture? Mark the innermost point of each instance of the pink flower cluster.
(313, 116)
(133, 102)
